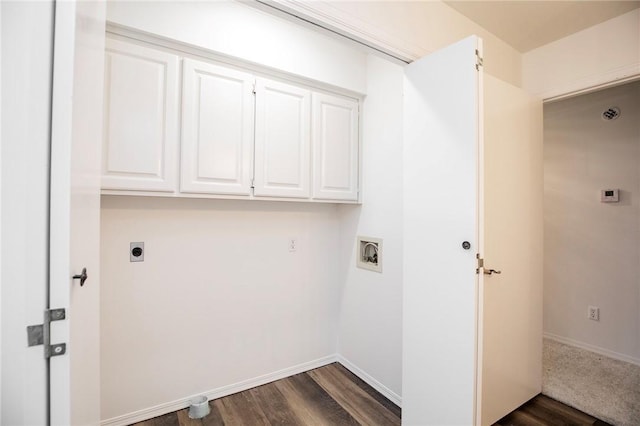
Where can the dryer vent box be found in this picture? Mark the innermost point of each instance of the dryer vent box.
(369, 254)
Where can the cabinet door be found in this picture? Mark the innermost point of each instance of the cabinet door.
(140, 143)
(335, 148)
(282, 140)
(217, 129)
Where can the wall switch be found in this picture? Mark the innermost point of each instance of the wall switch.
(593, 313)
(293, 244)
(136, 252)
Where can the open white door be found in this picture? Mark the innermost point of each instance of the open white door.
(510, 330)
(26, 32)
(471, 342)
(75, 209)
(440, 214)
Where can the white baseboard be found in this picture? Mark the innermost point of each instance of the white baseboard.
(388, 393)
(158, 410)
(592, 348)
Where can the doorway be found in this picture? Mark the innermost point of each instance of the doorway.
(592, 252)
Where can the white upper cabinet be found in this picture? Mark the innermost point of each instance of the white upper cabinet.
(283, 132)
(141, 118)
(335, 148)
(217, 129)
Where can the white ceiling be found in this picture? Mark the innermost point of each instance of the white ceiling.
(526, 25)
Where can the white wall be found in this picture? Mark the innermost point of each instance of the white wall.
(592, 250)
(218, 300)
(603, 53)
(233, 29)
(370, 330)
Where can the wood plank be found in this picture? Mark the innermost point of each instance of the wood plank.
(214, 418)
(275, 406)
(519, 418)
(364, 408)
(554, 412)
(384, 401)
(240, 409)
(543, 410)
(311, 403)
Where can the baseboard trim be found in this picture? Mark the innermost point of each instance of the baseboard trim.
(388, 393)
(159, 410)
(592, 348)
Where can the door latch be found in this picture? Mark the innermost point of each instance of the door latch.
(485, 271)
(40, 334)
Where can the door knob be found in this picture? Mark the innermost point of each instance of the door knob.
(82, 277)
(491, 272)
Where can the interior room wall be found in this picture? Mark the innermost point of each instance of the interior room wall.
(370, 331)
(237, 30)
(603, 53)
(592, 249)
(219, 298)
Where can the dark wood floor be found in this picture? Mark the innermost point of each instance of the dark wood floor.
(329, 395)
(332, 395)
(544, 411)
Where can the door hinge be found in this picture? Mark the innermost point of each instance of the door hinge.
(39, 334)
(479, 60)
(480, 263)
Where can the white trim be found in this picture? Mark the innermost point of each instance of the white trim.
(592, 83)
(168, 407)
(388, 393)
(592, 348)
(328, 17)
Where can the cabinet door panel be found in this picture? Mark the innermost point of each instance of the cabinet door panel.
(141, 118)
(282, 140)
(217, 131)
(335, 148)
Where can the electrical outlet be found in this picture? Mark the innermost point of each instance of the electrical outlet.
(593, 313)
(136, 252)
(293, 244)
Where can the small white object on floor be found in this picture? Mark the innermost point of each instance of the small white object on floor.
(199, 407)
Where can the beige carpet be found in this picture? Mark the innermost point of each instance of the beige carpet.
(600, 386)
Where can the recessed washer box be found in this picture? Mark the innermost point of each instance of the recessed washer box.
(369, 254)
